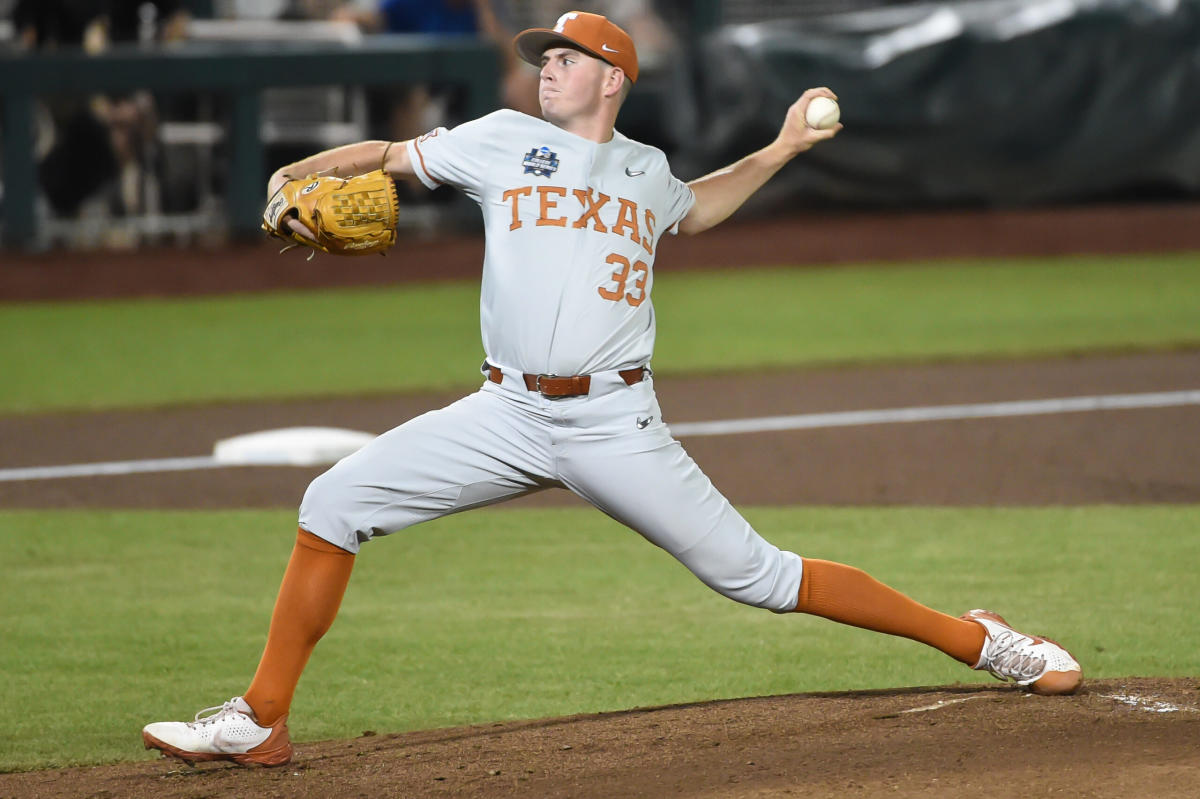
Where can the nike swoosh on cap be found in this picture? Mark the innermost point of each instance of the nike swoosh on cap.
(634, 173)
(608, 49)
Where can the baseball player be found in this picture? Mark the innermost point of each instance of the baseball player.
(574, 215)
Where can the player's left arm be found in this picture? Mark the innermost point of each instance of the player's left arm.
(721, 193)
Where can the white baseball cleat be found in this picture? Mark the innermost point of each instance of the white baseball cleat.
(228, 732)
(1039, 664)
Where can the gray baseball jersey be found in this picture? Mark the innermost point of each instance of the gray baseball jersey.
(572, 227)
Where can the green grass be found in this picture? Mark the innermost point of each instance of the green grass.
(86, 355)
(113, 619)
(961, 310)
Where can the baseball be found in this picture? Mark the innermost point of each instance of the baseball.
(822, 113)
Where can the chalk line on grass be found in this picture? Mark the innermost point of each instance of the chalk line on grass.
(807, 421)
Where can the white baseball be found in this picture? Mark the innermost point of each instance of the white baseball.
(822, 113)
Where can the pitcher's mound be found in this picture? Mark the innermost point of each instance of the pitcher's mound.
(1117, 738)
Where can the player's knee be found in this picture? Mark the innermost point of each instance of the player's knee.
(771, 581)
(320, 492)
(323, 512)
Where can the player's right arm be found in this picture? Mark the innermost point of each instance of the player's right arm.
(456, 158)
(349, 160)
(345, 161)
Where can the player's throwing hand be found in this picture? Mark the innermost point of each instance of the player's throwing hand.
(796, 134)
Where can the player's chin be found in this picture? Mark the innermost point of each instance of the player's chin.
(550, 113)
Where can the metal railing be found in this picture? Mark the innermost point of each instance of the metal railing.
(242, 72)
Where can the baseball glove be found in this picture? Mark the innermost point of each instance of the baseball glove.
(346, 216)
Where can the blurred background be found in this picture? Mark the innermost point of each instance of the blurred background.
(129, 123)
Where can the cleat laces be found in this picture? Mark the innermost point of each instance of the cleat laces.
(216, 714)
(1009, 659)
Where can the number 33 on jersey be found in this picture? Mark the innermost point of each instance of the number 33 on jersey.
(572, 228)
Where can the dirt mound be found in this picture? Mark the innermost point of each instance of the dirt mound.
(1117, 738)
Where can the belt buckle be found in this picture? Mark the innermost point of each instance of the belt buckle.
(538, 384)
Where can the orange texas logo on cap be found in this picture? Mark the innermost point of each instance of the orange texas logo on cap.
(591, 33)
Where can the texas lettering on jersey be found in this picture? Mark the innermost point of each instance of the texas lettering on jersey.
(582, 212)
(572, 229)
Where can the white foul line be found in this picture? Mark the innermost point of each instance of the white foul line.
(109, 468)
(806, 421)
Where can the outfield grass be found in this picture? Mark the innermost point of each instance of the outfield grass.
(113, 619)
(106, 354)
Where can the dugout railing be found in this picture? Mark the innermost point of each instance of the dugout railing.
(241, 72)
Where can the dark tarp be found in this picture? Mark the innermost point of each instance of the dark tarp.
(993, 102)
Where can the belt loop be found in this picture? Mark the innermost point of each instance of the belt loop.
(633, 376)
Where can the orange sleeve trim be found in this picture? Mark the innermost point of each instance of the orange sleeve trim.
(421, 157)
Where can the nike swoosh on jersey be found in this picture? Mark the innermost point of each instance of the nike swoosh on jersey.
(608, 49)
(634, 174)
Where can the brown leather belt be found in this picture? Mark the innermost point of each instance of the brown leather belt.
(558, 387)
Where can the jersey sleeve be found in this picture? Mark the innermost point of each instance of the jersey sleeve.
(680, 200)
(455, 157)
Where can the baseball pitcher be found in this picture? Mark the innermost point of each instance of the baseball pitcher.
(574, 215)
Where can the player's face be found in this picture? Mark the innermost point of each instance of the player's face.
(571, 84)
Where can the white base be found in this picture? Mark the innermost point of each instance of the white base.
(290, 446)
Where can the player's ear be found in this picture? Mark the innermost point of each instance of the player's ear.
(615, 83)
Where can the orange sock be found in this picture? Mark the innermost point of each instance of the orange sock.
(309, 598)
(851, 596)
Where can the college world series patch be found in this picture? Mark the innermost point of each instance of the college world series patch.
(540, 161)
